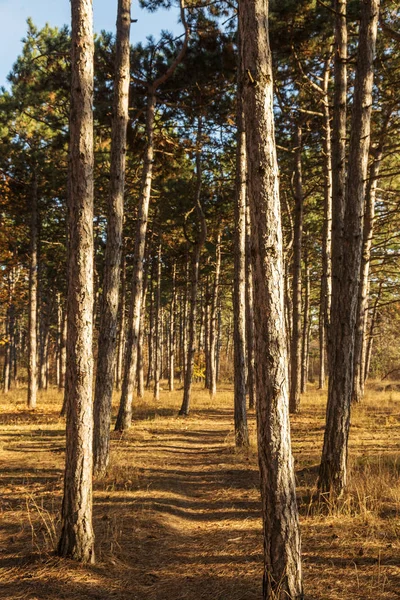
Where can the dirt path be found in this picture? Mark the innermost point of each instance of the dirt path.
(177, 517)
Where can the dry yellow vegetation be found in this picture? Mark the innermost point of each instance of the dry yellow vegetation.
(178, 515)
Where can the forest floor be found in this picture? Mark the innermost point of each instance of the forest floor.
(178, 515)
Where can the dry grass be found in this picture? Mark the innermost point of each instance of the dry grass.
(178, 515)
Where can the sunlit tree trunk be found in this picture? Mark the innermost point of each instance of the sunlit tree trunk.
(213, 319)
(239, 289)
(295, 354)
(282, 567)
(333, 469)
(33, 290)
(77, 538)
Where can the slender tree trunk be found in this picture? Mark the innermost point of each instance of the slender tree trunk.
(124, 418)
(368, 233)
(333, 469)
(171, 369)
(295, 355)
(108, 331)
(77, 538)
(150, 366)
(121, 333)
(207, 326)
(306, 327)
(199, 243)
(33, 288)
(239, 289)
(282, 567)
(158, 324)
(213, 319)
(251, 381)
(326, 280)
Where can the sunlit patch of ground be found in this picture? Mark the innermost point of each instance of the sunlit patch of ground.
(178, 514)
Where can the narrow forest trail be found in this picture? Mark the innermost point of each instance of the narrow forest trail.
(178, 515)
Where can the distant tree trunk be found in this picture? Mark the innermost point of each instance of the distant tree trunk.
(295, 355)
(326, 280)
(333, 469)
(282, 566)
(121, 332)
(197, 246)
(124, 418)
(369, 342)
(251, 381)
(158, 324)
(150, 366)
(213, 319)
(171, 370)
(207, 325)
(306, 327)
(108, 331)
(77, 539)
(33, 287)
(63, 348)
(360, 348)
(239, 286)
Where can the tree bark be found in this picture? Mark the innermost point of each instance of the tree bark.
(239, 285)
(295, 354)
(171, 367)
(326, 280)
(213, 319)
(108, 330)
(77, 538)
(251, 381)
(282, 564)
(158, 325)
(306, 327)
(33, 290)
(368, 233)
(333, 469)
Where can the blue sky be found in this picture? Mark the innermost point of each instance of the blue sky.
(14, 13)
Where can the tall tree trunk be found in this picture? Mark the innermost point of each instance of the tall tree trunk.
(239, 286)
(213, 318)
(306, 327)
(33, 290)
(295, 355)
(158, 345)
(333, 469)
(251, 380)
(77, 538)
(197, 246)
(130, 368)
(121, 332)
(326, 280)
(107, 344)
(171, 368)
(360, 347)
(282, 567)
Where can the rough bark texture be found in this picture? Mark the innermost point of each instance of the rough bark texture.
(239, 286)
(326, 280)
(33, 290)
(109, 302)
(251, 380)
(360, 349)
(282, 566)
(77, 539)
(333, 469)
(295, 354)
(124, 418)
(158, 324)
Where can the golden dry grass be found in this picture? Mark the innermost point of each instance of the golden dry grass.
(178, 515)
